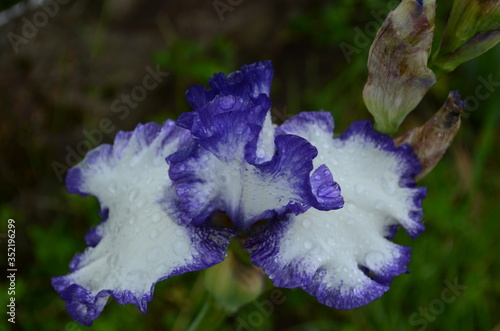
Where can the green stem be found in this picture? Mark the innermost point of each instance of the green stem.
(209, 318)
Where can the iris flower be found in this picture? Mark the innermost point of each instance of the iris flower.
(330, 206)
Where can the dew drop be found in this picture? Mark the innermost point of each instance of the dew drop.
(133, 195)
(135, 276)
(374, 260)
(134, 161)
(155, 254)
(360, 189)
(179, 232)
(396, 254)
(160, 270)
(223, 178)
(308, 245)
(227, 102)
(140, 203)
(260, 153)
(388, 187)
(379, 205)
(113, 187)
(155, 218)
(306, 223)
(181, 248)
(113, 260)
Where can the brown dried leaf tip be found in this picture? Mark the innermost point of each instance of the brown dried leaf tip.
(431, 140)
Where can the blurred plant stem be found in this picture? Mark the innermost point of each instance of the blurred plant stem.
(486, 143)
(210, 317)
(221, 290)
(199, 312)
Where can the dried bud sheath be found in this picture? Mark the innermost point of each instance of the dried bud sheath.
(398, 76)
(431, 140)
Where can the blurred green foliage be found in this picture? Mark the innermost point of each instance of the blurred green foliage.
(311, 73)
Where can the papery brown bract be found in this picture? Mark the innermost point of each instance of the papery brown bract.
(431, 140)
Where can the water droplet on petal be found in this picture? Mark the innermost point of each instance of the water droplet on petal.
(223, 178)
(260, 153)
(134, 161)
(308, 245)
(389, 187)
(360, 189)
(133, 195)
(179, 232)
(135, 276)
(227, 102)
(155, 218)
(374, 260)
(160, 269)
(113, 260)
(306, 223)
(181, 248)
(379, 205)
(155, 254)
(113, 187)
(396, 254)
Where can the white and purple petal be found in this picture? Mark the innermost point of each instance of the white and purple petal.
(229, 169)
(247, 83)
(345, 257)
(139, 242)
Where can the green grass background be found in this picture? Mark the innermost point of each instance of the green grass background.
(461, 210)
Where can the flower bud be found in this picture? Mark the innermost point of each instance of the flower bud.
(431, 140)
(473, 28)
(398, 76)
(233, 283)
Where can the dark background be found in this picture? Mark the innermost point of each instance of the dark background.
(64, 79)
